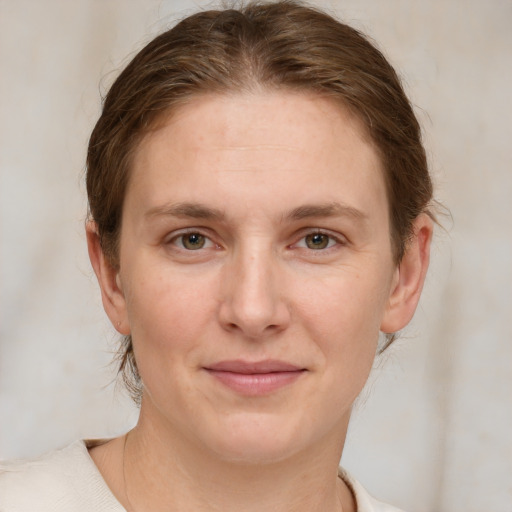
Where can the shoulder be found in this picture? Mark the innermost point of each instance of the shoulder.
(63, 480)
(364, 501)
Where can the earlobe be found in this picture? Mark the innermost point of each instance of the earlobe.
(109, 280)
(409, 277)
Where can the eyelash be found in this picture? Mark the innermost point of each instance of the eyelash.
(179, 237)
(332, 242)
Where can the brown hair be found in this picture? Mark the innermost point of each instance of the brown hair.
(282, 45)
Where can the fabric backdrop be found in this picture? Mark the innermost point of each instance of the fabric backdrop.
(432, 430)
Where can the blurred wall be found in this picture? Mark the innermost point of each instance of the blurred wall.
(432, 430)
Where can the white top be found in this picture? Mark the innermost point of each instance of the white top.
(67, 480)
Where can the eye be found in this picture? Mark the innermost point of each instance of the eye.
(318, 241)
(192, 241)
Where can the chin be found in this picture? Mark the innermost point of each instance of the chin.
(258, 440)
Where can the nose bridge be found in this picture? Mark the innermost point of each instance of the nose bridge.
(253, 298)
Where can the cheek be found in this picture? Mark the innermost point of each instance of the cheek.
(343, 315)
(167, 315)
(348, 304)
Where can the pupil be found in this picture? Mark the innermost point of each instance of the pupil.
(193, 241)
(317, 241)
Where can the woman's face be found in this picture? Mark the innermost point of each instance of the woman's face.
(256, 271)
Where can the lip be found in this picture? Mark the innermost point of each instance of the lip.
(253, 378)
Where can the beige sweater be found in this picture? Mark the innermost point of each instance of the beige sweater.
(67, 480)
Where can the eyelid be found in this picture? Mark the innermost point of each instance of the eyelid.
(338, 238)
(303, 233)
(171, 238)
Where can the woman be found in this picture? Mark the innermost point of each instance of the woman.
(259, 214)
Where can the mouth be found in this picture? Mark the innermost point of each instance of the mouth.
(255, 378)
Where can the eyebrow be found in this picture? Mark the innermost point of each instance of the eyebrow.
(200, 211)
(325, 210)
(186, 210)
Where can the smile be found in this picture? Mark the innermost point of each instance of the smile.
(255, 378)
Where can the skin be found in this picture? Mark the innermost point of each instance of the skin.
(294, 263)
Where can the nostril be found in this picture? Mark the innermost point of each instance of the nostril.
(269, 329)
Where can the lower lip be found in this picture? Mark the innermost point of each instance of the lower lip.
(254, 384)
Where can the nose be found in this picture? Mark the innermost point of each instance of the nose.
(253, 294)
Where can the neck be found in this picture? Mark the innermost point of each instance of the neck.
(164, 471)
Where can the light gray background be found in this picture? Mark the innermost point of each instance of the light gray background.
(432, 431)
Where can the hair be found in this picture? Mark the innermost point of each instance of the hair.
(261, 46)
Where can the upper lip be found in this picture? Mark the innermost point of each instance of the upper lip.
(253, 367)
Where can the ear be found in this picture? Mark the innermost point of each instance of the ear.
(409, 277)
(112, 295)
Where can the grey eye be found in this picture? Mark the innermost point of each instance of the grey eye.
(317, 241)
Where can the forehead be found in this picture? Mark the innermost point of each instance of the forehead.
(237, 117)
(271, 145)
